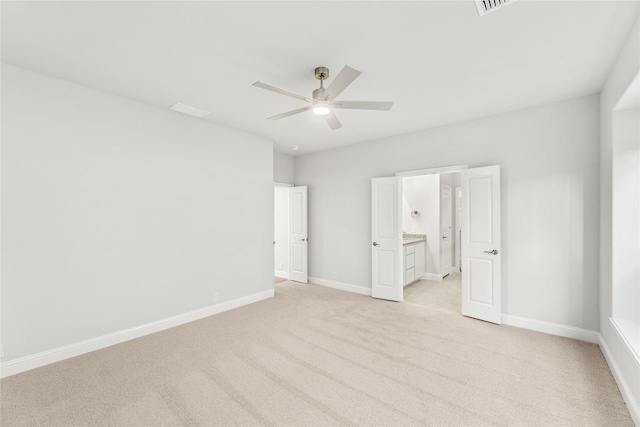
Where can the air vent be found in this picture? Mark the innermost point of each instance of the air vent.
(192, 111)
(487, 6)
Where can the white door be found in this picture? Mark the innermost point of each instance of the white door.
(481, 297)
(299, 240)
(386, 238)
(458, 203)
(445, 230)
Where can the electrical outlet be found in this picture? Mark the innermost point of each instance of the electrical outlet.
(334, 275)
(216, 297)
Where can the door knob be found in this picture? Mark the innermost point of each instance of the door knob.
(376, 244)
(304, 240)
(493, 252)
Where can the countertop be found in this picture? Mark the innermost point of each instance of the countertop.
(408, 239)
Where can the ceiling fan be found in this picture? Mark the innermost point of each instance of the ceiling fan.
(323, 100)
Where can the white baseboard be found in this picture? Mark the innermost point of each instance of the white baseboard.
(431, 276)
(627, 394)
(552, 328)
(282, 273)
(26, 363)
(341, 286)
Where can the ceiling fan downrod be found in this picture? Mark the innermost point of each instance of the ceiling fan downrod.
(321, 74)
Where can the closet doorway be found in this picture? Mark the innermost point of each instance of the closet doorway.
(281, 231)
(290, 238)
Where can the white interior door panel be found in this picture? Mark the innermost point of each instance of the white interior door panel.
(299, 239)
(481, 266)
(386, 238)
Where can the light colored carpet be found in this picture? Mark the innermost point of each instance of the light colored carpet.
(314, 356)
(280, 279)
(443, 295)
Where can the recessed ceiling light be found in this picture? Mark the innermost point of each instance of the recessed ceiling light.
(187, 109)
(295, 148)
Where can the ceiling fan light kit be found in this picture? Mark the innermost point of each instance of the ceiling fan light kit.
(323, 99)
(321, 109)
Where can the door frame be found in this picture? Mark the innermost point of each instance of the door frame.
(444, 273)
(458, 239)
(288, 241)
(430, 171)
(433, 171)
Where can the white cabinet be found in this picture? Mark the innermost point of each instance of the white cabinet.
(414, 261)
(420, 258)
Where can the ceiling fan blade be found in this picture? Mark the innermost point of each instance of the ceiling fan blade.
(363, 105)
(333, 121)
(289, 113)
(344, 78)
(279, 90)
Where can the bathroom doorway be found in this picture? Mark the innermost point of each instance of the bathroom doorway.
(394, 261)
(430, 211)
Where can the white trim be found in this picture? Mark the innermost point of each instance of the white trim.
(618, 327)
(282, 273)
(623, 339)
(341, 286)
(629, 99)
(623, 386)
(457, 238)
(33, 361)
(552, 328)
(431, 276)
(433, 171)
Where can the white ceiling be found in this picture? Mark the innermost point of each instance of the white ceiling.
(439, 61)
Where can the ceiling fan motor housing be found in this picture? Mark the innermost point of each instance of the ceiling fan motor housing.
(318, 94)
(322, 73)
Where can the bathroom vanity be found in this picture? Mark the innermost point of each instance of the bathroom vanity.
(414, 247)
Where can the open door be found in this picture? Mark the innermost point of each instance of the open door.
(386, 238)
(299, 239)
(445, 230)
(481, 274)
